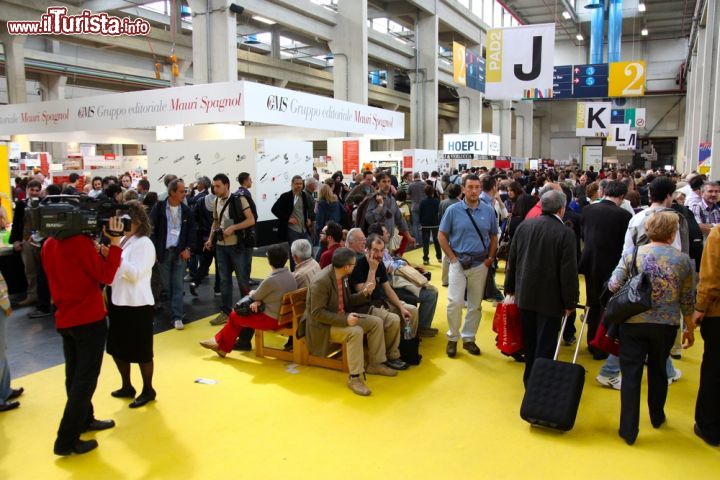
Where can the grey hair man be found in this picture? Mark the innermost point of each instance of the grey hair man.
(543, 248)
(305, 266)
(355, 241)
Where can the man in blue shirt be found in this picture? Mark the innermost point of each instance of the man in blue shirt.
(469, 237)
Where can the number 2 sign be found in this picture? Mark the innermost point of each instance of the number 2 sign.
(627, 79)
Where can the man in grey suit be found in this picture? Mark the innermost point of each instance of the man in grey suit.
(543, 248)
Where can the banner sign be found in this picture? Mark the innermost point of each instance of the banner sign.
(201, 104)
(493, 144)
(593, 119)
(468, 67)
(635, 117)
(519, 62)
(475, 143)
(627, 79)
(704, 152)
(351, 155)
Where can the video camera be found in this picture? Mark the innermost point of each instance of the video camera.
(63, 216)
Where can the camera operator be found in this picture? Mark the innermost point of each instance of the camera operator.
(74, 270)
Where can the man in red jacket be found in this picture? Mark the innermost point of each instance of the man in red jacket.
(75, 270)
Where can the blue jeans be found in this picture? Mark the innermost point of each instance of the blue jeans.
(172, 270)
(425, 302)
(416, 227)
(231, 259)
(611, 367)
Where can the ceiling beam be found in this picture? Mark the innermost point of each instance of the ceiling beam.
(107, 5)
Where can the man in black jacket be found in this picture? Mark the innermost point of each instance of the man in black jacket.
(542, 274)
(174, 235)
(292, 210)
(604, 227)
(199, 263)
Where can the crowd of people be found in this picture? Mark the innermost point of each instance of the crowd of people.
(345, 242)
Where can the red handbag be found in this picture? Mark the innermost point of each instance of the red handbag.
(607, 337)
(508, 327)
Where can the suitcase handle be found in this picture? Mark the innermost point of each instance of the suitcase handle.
(579, 340)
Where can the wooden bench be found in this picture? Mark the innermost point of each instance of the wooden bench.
(292, 310)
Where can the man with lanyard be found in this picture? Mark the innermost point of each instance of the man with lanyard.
(292, 209)
(228, 211)
(173, 236)
(469, 237)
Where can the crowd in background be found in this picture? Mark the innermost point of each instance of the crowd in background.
(346, 240)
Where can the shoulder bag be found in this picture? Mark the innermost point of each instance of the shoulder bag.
(633, 298)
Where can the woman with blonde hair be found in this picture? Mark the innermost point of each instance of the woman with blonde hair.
(328, 208)
(651, 334)
(130, 309)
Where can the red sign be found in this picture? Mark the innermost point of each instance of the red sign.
(408, 162)
(109, 156)
(503, 164)
(44, 164)
(351, 156)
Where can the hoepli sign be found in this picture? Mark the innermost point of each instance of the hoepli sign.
(470, 144)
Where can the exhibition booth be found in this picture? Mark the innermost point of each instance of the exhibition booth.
(195, 131)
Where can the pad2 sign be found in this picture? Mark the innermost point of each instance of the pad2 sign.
(627, 79)
(519, 62)
(593, 119)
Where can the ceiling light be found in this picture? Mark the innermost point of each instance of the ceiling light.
(644, 32)
(566, 15)
(263, 20)
(579, 37)
(641, 7)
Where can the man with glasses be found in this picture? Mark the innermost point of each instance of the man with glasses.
(707, 210)
(330, 318)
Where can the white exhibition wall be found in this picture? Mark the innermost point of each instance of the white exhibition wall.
(270, 163)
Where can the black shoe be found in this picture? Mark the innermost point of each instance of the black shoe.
(658, 423)
(288, 345)
(80, 447)
(676, 356)
(193, 289)
(243, 346)
(143, 399)
(39, 314)
(451, 349)
(471, 348)
(629, 439)
(518, 357)
(15, 393)
(97, 425)
(397, 364)
(713, 443)
(124, 393)
(597, 354)
(5, 406)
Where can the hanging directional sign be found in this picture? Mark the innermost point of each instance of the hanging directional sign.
(627, 79)
(590, 81)
(617, 116)
(593, 119)
(618, 136)
(563, 82)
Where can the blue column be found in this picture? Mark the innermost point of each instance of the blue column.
(615, 19)
(597, 32)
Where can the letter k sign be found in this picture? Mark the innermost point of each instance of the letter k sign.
(595, 116)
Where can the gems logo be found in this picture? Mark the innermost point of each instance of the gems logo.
(275, 102)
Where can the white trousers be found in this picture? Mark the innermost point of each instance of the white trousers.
(472, 279)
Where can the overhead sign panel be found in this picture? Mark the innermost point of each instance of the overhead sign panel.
(468, 67)
(519, 62)
(593, 119)
(590, 81)
(563, 82)
(474, 144)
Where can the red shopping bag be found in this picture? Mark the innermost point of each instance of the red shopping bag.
(508, 327)
(607, 338)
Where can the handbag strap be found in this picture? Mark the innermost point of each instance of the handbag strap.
(467, 210)
(633, 265)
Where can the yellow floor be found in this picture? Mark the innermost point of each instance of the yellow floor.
(447, 418)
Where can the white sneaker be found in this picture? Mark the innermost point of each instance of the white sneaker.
(179, 325)
(675, 377)
(612, 382)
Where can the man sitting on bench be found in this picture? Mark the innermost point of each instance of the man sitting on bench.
(329, 319)
(270, 294)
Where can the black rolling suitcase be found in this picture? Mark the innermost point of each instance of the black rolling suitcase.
(554, 389)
